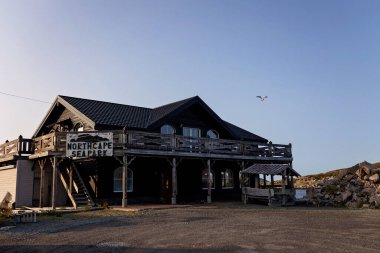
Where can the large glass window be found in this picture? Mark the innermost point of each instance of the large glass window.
(205, 179)
(191, 132)
(212, 134)
(227, 179)
(118, 180)
(167, 129)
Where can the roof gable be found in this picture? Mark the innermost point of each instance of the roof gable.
(99, 113)
(163, 111)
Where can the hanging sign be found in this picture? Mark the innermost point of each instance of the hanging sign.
(89, 144)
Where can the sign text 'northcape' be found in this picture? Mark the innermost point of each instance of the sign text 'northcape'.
(89, 144)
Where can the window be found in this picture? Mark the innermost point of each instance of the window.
(227, 179)
(191, 132)
(212, 134)
(78, 127)
(118, 180)
(167, 129)
(205, 179)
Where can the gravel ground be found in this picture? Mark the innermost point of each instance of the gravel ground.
(221, 227)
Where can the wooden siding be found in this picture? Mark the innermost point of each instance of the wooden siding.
(75, 119)
(24, 184)
(8, 182)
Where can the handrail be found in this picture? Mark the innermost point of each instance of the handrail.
(18, 147)
(129, 139)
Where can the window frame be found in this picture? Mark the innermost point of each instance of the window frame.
(191, 131)
(204, 172)
(167, 126)
(120, 180)
(214, 132)
(225, 180)
(79, 127)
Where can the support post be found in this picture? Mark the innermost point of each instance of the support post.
(42, 184)
(283, 181)
(210, 179)
(271, 181)
(71, 179)
(265, 181)
(54, 186)
(174, 181)
(125, 187)
(257, 179)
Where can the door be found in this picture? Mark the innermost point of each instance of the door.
(166, 186)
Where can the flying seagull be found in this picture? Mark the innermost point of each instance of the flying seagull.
(262, 98)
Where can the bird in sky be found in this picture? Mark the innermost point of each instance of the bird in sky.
(262, 98)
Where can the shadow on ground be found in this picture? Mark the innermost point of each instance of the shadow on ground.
(116, 247)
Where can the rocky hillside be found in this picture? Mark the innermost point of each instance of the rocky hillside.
(358, 186)
(318, 180)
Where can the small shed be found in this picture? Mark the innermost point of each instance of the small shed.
(254, 187)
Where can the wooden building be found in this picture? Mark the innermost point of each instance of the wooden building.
(88, 152)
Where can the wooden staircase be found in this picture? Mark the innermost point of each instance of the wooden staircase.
(75, 187)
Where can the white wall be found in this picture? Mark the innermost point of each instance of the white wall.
(8, 182)
(24, 184)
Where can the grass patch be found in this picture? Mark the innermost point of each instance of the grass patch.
(5, 216)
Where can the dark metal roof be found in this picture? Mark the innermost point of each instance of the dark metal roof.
(244, 134)
(105, 113)
(119, 115)
(269, 169)
(162, 111)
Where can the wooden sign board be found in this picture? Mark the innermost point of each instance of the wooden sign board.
(89, 144)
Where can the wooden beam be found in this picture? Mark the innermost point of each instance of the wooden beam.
(54, 185)
(210, 179)
(257, 181)
(265, 181)
(283, 191)
(125, 187)
(41, 164)
(272, 181)
(174, 181)
(150, 153)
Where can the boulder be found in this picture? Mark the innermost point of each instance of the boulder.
(346, 195)
(6, 203)
(368, 191)
(374, 178)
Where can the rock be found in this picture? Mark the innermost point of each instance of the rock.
(338, 199)
(374, 171)
(365, 206)
(367, 184)
(346, 195)
(367, 167)
(374, 178)
(368, 191)
(358, 173)
(375, 200)
(6, 203)
(349, 177)
(378, 189)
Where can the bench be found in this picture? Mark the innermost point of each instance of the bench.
(258, 194)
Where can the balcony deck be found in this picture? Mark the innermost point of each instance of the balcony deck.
(154, 144)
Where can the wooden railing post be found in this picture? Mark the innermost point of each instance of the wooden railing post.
(19, 145)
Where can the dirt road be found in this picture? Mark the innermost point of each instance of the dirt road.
(223, 227)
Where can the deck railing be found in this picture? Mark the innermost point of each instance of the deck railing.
(155, 141)
(18, 147)
(152, 141)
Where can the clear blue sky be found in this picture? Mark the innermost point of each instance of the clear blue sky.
(318, 61)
